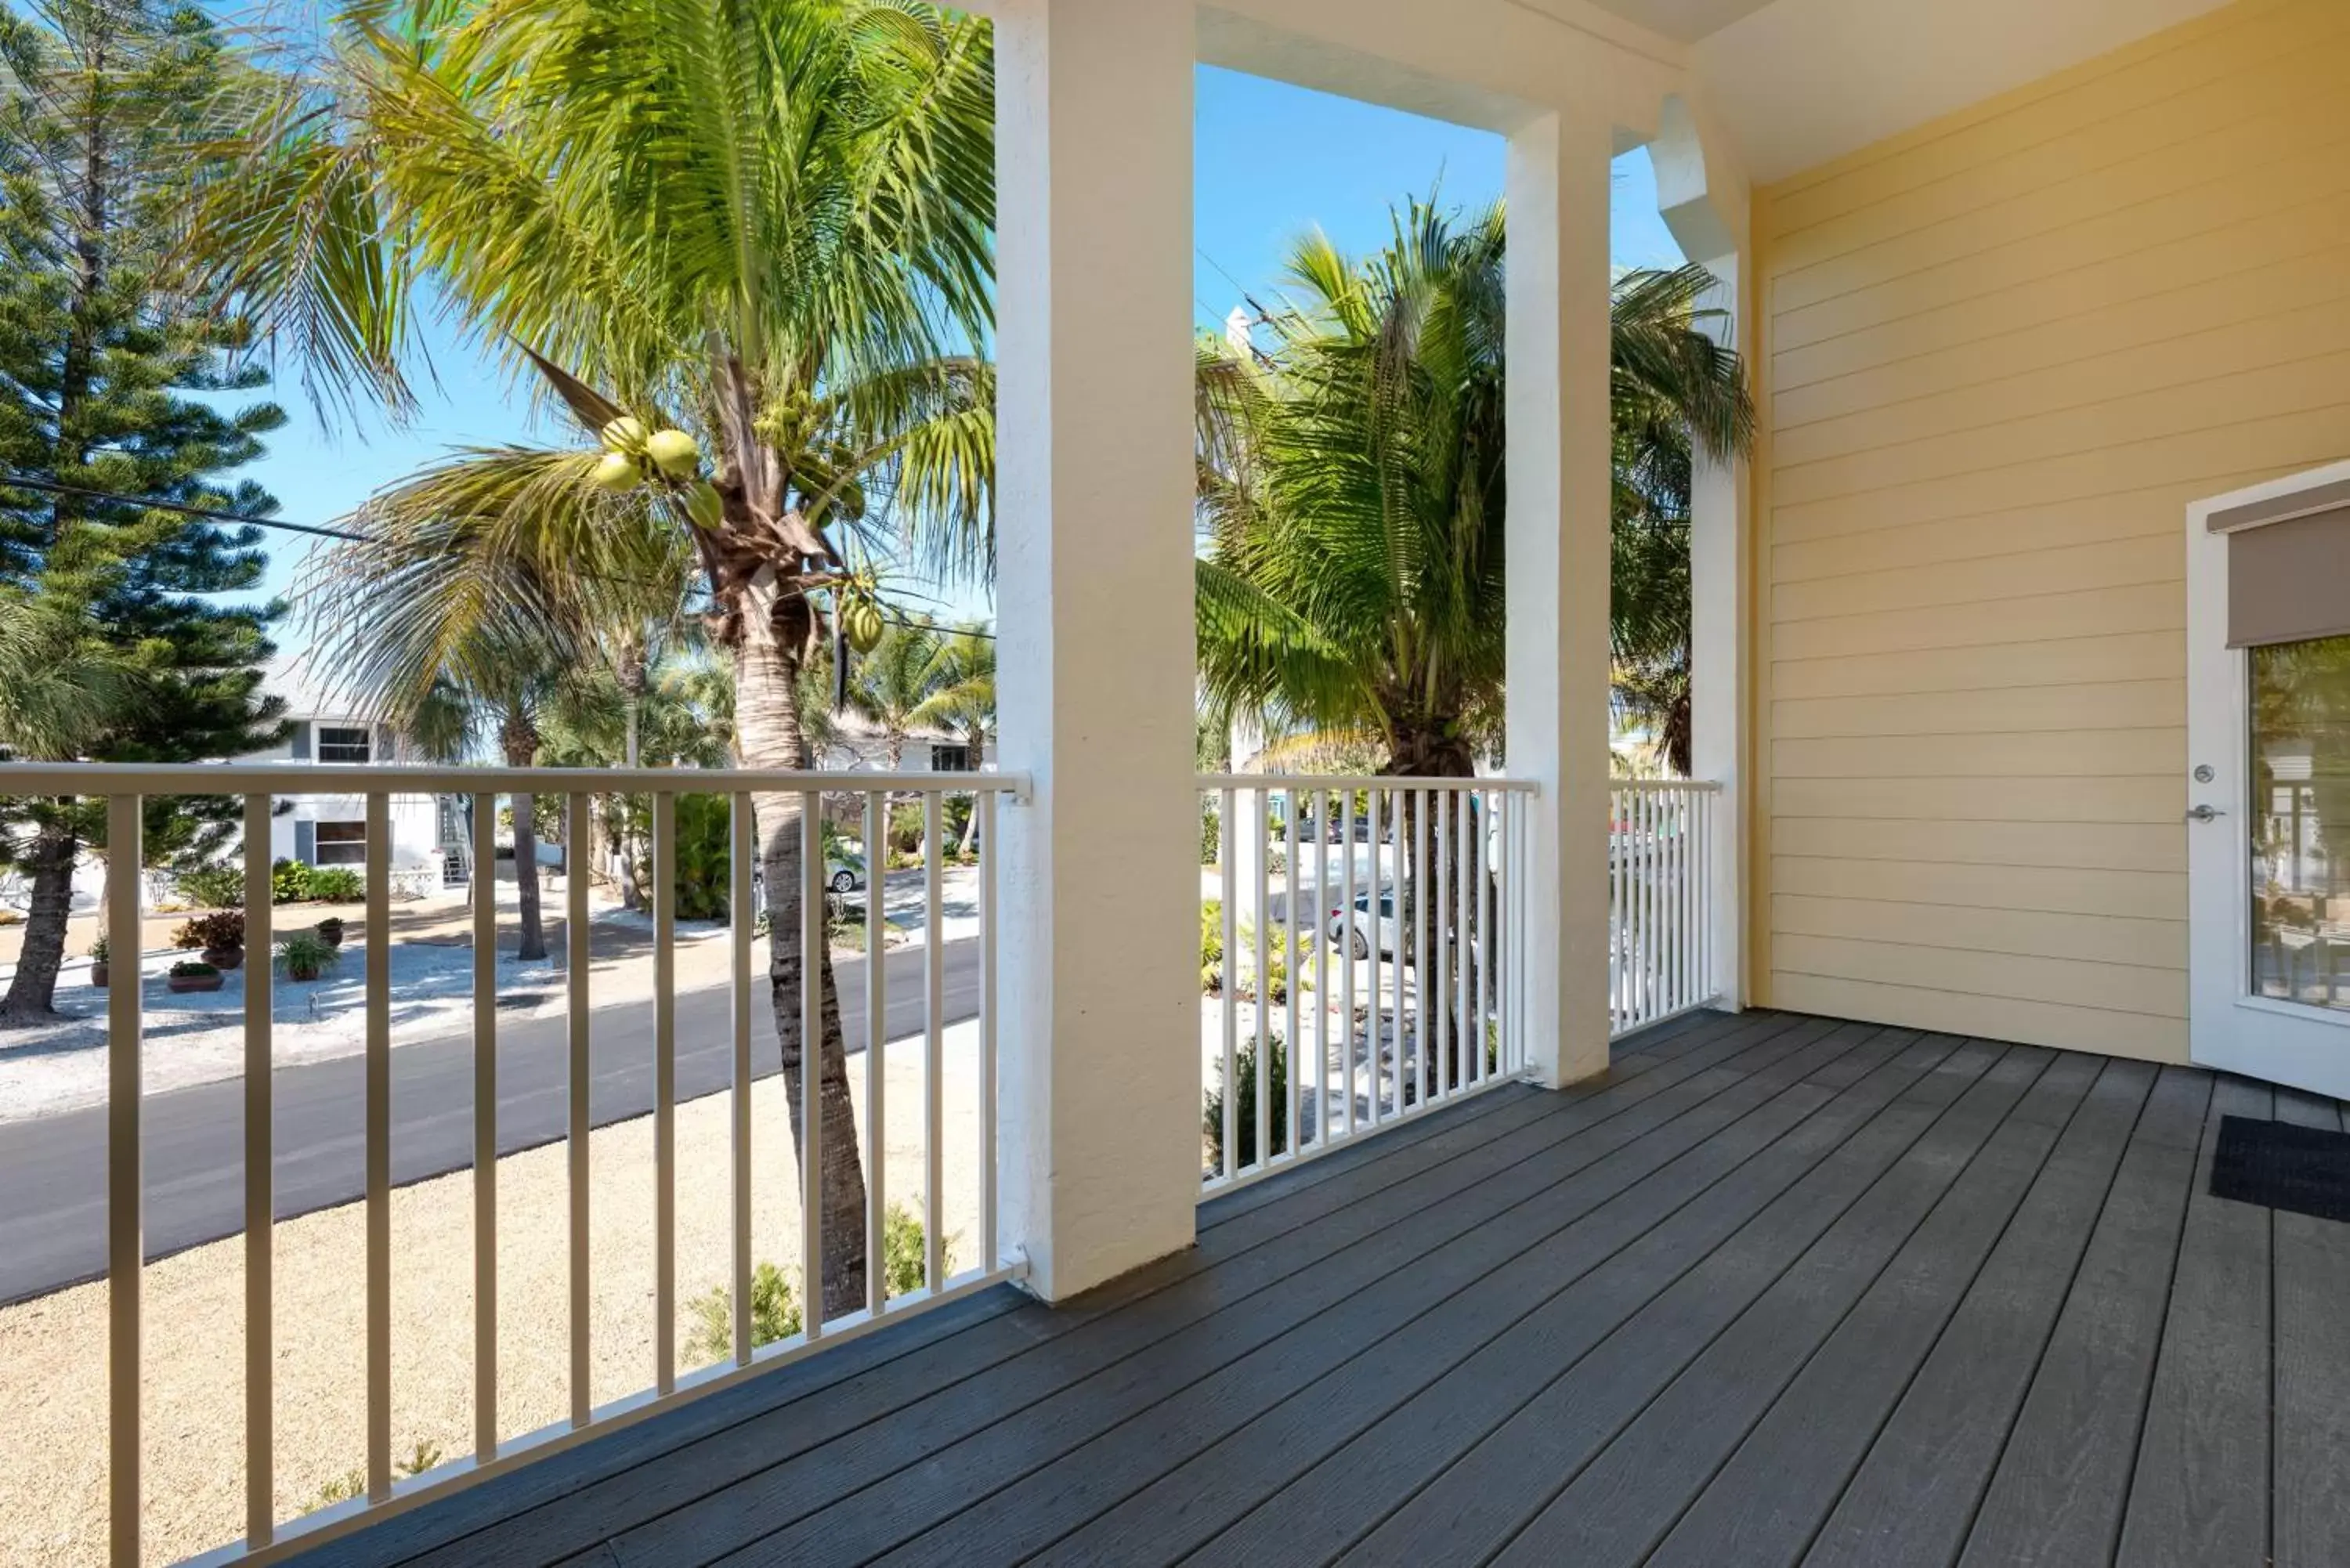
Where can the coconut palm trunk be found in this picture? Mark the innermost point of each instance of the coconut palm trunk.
(768, 735)
(520, 739)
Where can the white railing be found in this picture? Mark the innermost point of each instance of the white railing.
(267, 1535)
(1660, 846)
(1360, 958)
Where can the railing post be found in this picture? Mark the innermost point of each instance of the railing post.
(1559, 475)
(1100, 1112)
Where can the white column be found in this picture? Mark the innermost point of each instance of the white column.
(1558, 187)
(1703, 196)
(1721, 572)
(1100, 1067)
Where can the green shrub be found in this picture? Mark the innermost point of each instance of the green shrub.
(1211, 943)
(336, 884)
(425, 1456)
(212, 887)
(1212, 1120)
(703, 848)
(776, 1302)
(774, 1315)
(192, 969)
(903, 1241)
(307, 955)
(223, 929)
(289, 882)
(1211, 832)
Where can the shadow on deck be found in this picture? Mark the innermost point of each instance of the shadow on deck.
(1778, 1290)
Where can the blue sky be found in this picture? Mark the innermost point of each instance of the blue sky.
(1271, 161)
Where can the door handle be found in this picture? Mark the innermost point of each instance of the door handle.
(2205, 813)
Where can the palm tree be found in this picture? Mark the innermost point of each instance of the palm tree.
(1673, 392)
(765, 223)
(1352, 498)
(890, 685)
(961, 681)
(1352, 492)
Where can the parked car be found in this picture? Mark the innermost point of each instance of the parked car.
(844, 872)
(1384, 928)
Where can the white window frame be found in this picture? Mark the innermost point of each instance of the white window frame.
(319, 744)
(351, 851)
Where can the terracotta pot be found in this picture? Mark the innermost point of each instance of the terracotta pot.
(98, 976)
(224, 958)
(181, 984)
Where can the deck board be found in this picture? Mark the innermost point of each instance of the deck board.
(1774, 1289)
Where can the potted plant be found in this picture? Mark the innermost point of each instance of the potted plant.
(190, 975)
(307, 955)
(330, 931)
(97, 963)
(220, 937)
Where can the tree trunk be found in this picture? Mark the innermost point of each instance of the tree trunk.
(1432, 753)
(33, 992)
(768, 736)
(521, 738)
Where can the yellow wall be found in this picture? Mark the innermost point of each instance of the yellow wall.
(1999, 356)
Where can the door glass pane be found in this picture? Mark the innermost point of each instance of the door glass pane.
(2298, 818)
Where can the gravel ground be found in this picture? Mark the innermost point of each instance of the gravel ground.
(53, 1350)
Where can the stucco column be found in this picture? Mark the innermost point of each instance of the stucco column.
(1721, 576)
(1705, 199)
(1099, 1127)
(1558, 187)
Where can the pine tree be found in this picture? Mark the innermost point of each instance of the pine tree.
(110, 386)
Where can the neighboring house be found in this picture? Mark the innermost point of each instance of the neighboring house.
(331, 829)
(857, 746)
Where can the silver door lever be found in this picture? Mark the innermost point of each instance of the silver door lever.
(2205, 813)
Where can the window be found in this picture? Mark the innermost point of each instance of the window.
(949, 758)
(342, 745)
(2300, 748)
(342, 844)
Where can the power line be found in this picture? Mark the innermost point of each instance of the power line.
(50, 486)
(155, 503)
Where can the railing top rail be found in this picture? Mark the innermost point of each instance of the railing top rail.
(1362, 781)
(1709, 787)
(397, 778)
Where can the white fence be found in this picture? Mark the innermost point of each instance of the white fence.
(1661, 960)
(1362, 960)
(266, 1536)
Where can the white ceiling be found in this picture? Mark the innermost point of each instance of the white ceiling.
(1799, 82)
(1687, 20)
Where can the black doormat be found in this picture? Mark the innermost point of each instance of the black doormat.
(2283, 1165)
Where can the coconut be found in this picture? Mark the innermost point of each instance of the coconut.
(618, 471)
(704, 505)
(625, 434)
(674, 452)
(860, 622)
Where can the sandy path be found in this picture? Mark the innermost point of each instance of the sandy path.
(53, 1350)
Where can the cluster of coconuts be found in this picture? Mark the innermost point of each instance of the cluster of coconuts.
(860, 617)
(633, 456)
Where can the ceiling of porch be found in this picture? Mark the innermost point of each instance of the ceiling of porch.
(1799, 82)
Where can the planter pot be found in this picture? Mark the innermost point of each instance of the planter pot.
(98, 976)
(304, 975)
(332, 936)
(181, 984)
(224, 958)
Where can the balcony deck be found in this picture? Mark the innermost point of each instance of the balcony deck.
(1778, 1290)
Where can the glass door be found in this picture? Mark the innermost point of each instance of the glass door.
(2268, 823)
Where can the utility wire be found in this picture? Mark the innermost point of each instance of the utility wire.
(210, 515)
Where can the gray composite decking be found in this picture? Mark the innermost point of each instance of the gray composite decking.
(1777, 1290)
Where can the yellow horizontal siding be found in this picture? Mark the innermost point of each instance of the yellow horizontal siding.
(1998, 357)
